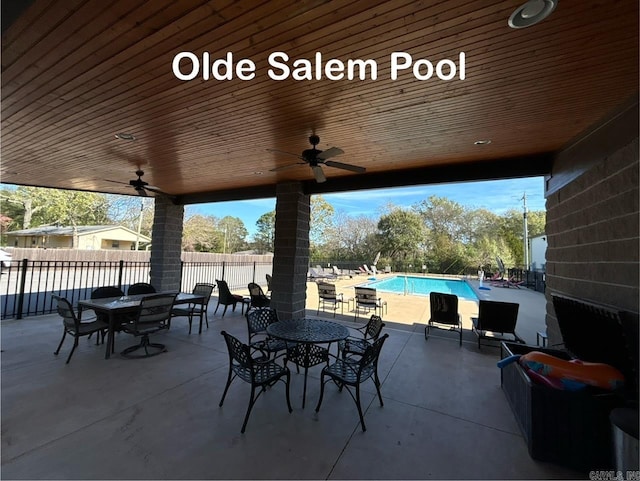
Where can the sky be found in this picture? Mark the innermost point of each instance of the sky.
(497, 196)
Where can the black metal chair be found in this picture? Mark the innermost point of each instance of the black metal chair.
(444, 314)
(198, 309)
(357, 345)
(269, 283)
(140, 288)
(260, 373)
(226, 298)
(352, 372)
(497, 318)
(102, 293)
(258, 319)
(73, 326)
(153, 316)
(258, 297)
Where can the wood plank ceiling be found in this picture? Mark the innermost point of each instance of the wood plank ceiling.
(77, 72)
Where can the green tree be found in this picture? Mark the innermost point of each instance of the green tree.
(401, 233)
(234, 234)
(36, 206)
(321, 223)
(264, 237)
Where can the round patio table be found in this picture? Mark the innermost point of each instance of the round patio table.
(307, 334)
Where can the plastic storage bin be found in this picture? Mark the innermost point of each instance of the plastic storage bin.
(568, 428)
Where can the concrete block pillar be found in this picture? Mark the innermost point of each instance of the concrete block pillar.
(291, 256)
(167, 245)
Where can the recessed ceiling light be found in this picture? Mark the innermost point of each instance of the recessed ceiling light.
(257, 172)
(532, 12)
(482, 142)
(125, 136)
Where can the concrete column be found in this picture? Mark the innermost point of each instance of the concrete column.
(291, 256)
(167, 245)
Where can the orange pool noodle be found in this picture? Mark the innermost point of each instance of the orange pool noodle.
(592, 373)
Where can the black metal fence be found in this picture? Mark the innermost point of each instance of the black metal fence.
(26, 285)
(532, 279)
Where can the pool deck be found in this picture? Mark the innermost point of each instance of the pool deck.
(411, 310)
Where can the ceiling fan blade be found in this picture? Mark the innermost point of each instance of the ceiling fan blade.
(116, 182)
(318, 174)
(276, 151)
(340, 165)
(141, 191)
(151, 188)
(330, 152)
(283, 167)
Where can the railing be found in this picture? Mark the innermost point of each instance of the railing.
(27, 285)
(532, 279)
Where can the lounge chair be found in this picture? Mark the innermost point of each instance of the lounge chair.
(444, 314)
(513, 282)
(315, 273)
(339, 273)
(496, 321)
(498, 276)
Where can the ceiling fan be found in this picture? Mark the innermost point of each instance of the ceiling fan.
(140, 186)
(315, 158)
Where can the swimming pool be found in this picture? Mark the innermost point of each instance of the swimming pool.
(422, 286)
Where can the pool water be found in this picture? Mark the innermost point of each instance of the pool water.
(422, 286)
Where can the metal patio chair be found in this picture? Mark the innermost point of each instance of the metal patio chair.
(73, 326)
(260, 373)
(195, 309)
(351, 373)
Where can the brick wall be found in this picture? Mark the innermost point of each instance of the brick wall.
(593, 234)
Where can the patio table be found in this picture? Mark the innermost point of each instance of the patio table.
(307, 334)
(115, 307)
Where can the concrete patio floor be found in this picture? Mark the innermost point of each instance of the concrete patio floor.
(444, 416)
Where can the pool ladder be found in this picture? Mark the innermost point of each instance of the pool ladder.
(409, 288)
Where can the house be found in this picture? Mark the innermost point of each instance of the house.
(89, 237)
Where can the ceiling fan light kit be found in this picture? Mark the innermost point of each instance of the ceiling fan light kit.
(532, 12)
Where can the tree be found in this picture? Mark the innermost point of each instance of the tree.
(511, 229)
(132, 212)
(199, 234)
(234, 234)
(38, 206)
(401, 232)
(266, 228)
(355, 238)
(444, 218)
(321, 223)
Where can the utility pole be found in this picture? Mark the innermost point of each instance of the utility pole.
(526, 232)
(139, 225)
